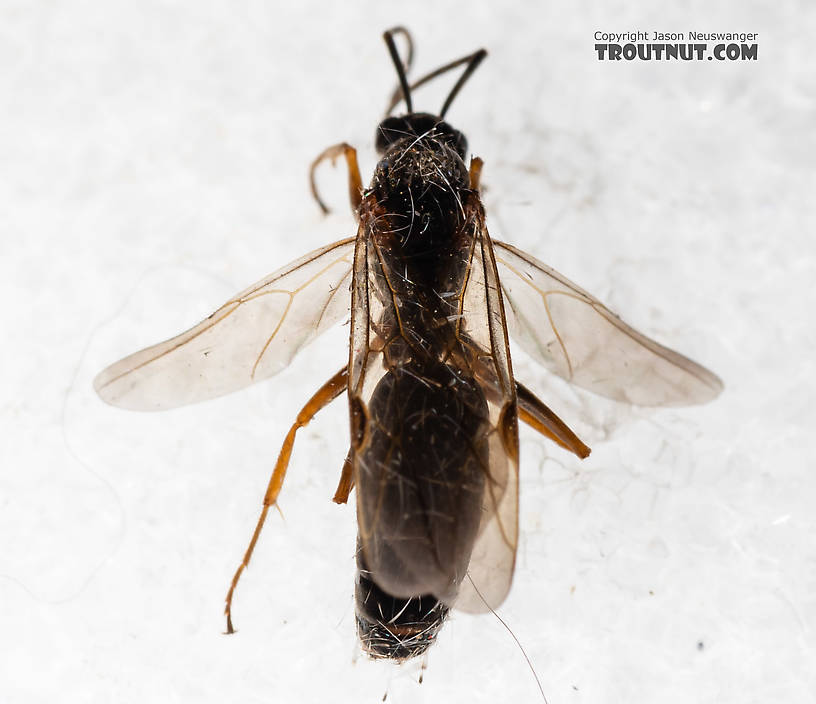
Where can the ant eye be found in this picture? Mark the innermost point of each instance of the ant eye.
(389, 131)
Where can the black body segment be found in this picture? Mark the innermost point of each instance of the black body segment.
(391, 627)
(432, 403)
(415, 127)
(420, 478)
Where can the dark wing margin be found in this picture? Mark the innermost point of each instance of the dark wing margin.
(252, 336)
(575, 336)
(493, 559)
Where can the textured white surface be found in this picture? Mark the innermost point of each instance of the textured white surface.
(153, 161)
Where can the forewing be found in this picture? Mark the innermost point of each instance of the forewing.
(577, 337)
(251, 337)
(492, 561)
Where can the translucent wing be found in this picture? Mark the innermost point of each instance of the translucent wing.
(251, 337)
(434, 429)
(577, 337)
(492, 562)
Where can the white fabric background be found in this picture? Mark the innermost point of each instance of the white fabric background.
(153, 161)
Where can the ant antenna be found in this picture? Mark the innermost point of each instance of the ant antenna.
(401, 68)
(472, 61)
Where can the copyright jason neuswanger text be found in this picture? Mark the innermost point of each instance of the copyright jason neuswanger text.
(676, 46)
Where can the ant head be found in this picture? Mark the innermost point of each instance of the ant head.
(417, 125)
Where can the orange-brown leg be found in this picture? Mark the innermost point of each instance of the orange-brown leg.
(475, 172)
(535, 413)
(346, 483)
(325, 395)
(355, 181)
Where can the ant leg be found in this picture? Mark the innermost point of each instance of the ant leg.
(476, 165)
(535, 413)
(355, 181)
(324, 395)
(346, 483)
